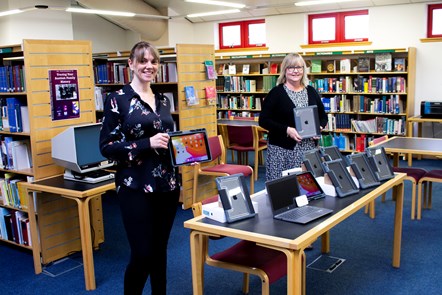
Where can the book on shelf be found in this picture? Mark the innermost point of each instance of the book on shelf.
(221, 69)
(316, 66)
(345, 65)
(399, 64)
(232, 69)
(330, 66)
(191, 97)
(363, 64)
(382, 62)
(274, 68)
(246, 69)
(14, 114)
(172, 75)
(210, 70)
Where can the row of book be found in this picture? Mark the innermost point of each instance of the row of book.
(346, 142)
(235, 84)
(14, 115)
(236, 114)
(345, 122)
(15, 153)
(12, 193)
(14, 226)
(242, 102)
(347, 84)
(391, 104)
(12, 78)
(246, 69)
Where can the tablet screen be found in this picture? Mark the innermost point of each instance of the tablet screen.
(187, 147)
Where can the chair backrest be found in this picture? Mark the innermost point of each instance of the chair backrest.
(217, 148)
(378, 140)
(240, 135)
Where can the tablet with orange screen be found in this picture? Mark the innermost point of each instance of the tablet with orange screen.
(187, 147)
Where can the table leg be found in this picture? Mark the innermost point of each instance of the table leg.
(295, 272)
(325, 242)
(197, 260)
(399, 196)
(34, 233)
(86, 242)
(395, 159)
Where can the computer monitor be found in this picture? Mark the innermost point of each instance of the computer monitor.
(77, 150)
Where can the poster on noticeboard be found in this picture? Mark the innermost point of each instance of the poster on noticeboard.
(65, 100)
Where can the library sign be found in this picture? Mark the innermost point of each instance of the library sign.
(65, 100)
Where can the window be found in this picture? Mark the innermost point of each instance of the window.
(434, 27)
(348, 26)
(242, 34)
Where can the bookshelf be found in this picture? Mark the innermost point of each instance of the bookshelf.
(188, 61)
(367, 93)
(243, 82)
(58, 233)
(365, 96)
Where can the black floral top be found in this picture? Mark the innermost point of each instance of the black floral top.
(128, 123)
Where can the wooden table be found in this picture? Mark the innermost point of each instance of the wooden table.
(291, 239)
(81, 193)
(419, 121)
(412, 145)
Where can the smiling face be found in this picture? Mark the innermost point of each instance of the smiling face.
(144, 62)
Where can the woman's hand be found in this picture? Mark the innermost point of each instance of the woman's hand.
(159, 141)
(293, 133)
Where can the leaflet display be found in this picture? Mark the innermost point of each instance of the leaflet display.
(307, 121)
(190, 146)
(235, 197)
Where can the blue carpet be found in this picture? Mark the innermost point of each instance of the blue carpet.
(365, 244)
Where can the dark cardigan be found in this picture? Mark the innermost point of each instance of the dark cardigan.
(277, 114)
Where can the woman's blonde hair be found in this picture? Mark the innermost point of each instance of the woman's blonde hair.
(291, 60)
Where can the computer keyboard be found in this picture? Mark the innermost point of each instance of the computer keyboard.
(298, 212)
(96, 173)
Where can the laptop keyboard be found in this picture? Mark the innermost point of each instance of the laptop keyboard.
(298, 212)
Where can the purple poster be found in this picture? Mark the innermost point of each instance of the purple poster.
(65, 101)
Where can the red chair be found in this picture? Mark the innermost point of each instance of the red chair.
(413, 175)
(430, 177)
(218, 167)
(246, 257)
(245, 139)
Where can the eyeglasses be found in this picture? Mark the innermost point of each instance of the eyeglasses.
(292, 69)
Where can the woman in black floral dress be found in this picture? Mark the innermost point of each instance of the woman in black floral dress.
(134, 134)
(286, 147)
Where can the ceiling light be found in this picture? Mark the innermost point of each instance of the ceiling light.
(102, 12)
(218, 3)
(318, 2)
(9, 12)
(214, 13)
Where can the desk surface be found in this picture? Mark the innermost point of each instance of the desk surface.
(415, 145)
(263, 228)
(59, 185)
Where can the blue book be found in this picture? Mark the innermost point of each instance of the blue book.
(14, 114)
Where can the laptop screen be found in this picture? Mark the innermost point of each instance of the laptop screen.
(308, 185)
(282, 192)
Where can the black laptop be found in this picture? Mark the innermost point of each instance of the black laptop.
(282, 193)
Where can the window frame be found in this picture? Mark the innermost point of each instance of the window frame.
(431, 8)
(339, 23)
(244, 31)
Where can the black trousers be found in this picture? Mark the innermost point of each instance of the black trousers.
(148, 220)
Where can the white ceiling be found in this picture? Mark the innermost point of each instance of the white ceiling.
(260, 8)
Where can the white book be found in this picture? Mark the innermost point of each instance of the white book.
(25, 118)
(21, 154)
(232, 69)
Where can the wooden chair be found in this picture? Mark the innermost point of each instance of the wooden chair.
(218, 167)
(246, 257)
(413, 175)
(430, 177)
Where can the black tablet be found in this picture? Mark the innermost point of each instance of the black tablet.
(332, 153)
(190, 146)
(380, 163)
(235, 197)
(341, 178)
(307, 121)
(363, 170)
(312, 161)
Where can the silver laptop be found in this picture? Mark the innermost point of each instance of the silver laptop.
(282, 193)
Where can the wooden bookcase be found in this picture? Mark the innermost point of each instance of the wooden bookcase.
(350, 96)
(60, 235)
(190, 69)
